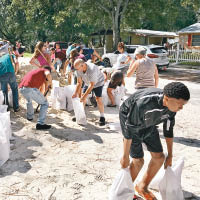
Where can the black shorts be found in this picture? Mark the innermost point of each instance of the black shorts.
(149, 136)
(97, 91)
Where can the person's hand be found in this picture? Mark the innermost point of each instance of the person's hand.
(83, 98)
(74, 95)
(168, 162)
(125, 162)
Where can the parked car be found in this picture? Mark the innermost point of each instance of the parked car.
(63, 45)
(155, 52)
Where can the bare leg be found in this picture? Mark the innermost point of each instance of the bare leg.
(135, 167)
(110, 95)
(100, 104)
(157, 159)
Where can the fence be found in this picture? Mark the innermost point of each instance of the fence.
(180, 55)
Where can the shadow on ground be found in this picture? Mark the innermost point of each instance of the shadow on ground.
(20, 157)
(181, 75)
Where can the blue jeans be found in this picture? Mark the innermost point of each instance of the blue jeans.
(10, 78)
(57, 65)
(34, 94)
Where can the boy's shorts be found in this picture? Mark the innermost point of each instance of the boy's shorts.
(150, 136)
(97, 91)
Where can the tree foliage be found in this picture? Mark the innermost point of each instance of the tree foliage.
(72, 20)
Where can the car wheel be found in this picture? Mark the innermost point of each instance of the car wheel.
(107, 62)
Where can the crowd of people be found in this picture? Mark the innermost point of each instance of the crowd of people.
(139, 115)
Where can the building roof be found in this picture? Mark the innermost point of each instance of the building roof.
(145, 32)
(194, 28)
(142, 32)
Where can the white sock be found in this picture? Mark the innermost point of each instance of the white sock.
(101, 114)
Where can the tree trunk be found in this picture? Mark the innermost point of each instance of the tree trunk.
(116, 31)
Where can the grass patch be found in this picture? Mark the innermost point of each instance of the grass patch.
(26, 54)
(190, 63)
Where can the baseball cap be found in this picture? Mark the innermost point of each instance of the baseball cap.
(140, 50)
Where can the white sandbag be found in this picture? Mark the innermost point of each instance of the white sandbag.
(5, 119)
(61, 98)
(119, 93)
(79, 111)
(3, 108)
(58, 98)
(53, 93)
(177, 169)
(1, 98)
(10, 98)
(105, 97)
(69, 91)
(55, 83)
(122, 187)
(170, 186)
(4, 143)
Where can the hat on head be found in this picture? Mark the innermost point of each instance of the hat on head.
(141, 51)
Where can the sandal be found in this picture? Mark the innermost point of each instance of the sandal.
(135, 197)
(147, 195)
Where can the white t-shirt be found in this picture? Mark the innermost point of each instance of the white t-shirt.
(121, 58)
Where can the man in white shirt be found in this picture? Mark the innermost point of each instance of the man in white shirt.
(94, 81)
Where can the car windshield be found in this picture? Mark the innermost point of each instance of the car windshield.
(158, 50)
(130, 50)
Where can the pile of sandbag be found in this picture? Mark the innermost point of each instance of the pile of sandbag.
(61, 97)
(5, 134)
(118, 94)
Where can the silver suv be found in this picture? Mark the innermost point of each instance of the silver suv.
(157, 53)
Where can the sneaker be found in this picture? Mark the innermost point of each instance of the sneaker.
(74, 119)
(102, 121)
(42, 126)
(110, 105)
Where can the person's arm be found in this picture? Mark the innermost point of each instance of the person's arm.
(97, 55)
(126, 151)
(128, 59)
(78, 87)
(156, 76)
(168, 127)
(65, 66)
(133, 67)
(48, 82)
(89, 89)
(168, 161)
(48, 58)
(33, 62)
